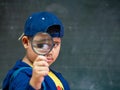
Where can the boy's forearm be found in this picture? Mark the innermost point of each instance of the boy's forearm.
(35, 84)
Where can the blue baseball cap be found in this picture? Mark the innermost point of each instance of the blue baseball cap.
(40, 22)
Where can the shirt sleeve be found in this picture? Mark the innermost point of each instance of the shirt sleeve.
(21, 82)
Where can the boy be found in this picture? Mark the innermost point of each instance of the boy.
(33, 72)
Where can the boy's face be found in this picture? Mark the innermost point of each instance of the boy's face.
(51, 56)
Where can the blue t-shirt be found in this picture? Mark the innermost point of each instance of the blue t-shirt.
(21, 80)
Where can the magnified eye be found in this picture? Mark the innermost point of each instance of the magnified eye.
(43, 46)
(40, 45)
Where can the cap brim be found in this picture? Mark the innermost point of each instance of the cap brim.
(21, 36)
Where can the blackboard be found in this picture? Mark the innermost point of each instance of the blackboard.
(89, 57)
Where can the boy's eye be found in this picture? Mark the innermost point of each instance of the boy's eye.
(56, 44)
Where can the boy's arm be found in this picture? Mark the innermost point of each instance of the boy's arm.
(40, 70)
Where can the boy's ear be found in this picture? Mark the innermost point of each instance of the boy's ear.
(25, 41)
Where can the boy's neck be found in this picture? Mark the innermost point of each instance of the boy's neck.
(26, 60)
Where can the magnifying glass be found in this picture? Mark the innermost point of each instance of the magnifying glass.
(42, 43)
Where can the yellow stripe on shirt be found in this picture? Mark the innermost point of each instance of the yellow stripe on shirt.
(56, 80)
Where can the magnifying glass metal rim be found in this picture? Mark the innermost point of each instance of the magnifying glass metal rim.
(50, 39)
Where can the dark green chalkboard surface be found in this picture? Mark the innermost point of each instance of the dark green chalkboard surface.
(90, 53)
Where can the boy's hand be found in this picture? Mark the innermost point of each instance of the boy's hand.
(40, 69)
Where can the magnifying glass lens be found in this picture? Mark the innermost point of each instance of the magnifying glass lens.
(42, 43)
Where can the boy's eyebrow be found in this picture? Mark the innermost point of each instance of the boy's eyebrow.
(56, 41)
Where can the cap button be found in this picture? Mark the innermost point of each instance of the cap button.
(43, 18)
(30, 17)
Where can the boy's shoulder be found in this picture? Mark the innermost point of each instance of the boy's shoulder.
(19, 67)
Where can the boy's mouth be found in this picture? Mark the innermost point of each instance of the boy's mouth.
(49, 60)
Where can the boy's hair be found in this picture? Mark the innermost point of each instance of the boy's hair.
(43, 22)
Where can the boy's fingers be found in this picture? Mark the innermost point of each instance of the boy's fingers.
(40, 63)
(41, 58)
